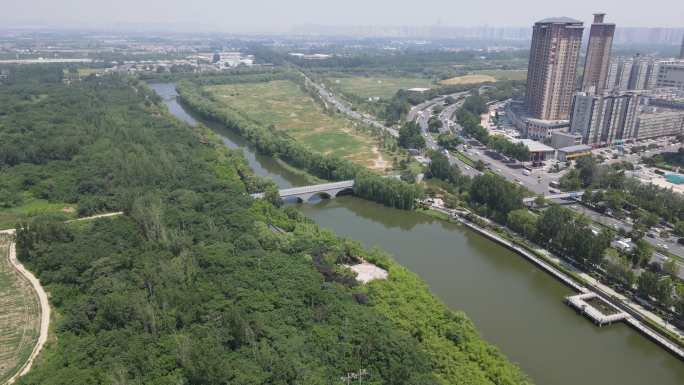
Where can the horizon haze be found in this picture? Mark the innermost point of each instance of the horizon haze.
(277, 16)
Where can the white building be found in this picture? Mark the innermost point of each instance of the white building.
(671, 74)
(606, 118)
(657, 121)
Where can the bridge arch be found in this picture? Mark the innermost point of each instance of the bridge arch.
(321, 194)
(344, 191)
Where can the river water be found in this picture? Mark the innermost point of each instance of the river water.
(514, 305)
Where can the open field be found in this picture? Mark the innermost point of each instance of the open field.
(32, 207)
(284, 105)
(19, 318)
(505, 74)
(467, 79)
(382, 87)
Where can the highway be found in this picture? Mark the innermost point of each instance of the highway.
(344, 108)
(421, 113)
(539, 179)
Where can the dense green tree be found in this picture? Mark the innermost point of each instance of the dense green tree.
(642, 253)
(524, 222)
(495, 196)
(410, 136)
(647, 284)
(197, 283)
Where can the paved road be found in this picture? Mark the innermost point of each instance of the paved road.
(344, 108)
(422, 113)
(614, 223)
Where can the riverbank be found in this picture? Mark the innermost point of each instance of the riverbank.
(572, 279)
(512, 303)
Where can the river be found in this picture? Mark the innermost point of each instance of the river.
(514, 305)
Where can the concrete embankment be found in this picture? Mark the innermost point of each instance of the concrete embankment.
(635, 319)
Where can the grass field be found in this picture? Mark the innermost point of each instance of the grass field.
(467, 79)
(382, 87)
(505, 74)
(283, 104)
(33, 207)
(19, 318)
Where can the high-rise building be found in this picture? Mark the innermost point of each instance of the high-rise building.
(605, 118)
(553, 67)
(653, 122)
(598, 55)
(681, 50)
(625, 74)
(638, 76)
(671, 74)
(612, 80)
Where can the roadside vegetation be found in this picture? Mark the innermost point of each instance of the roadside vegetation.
(199, 284)
(383, 87)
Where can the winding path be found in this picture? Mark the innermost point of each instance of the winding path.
(44, 307)
(42, 297)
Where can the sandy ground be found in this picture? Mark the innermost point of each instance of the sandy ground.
(366, 272)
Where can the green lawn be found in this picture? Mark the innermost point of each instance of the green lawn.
(377, 86)
(283, 104)
(32, 207)
(20, 317)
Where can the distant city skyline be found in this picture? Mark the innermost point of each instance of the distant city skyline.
(283, 16)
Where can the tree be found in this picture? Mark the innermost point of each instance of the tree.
(448, 140)
(647, 284)
(495, 196)
(434, 124)
(523, 222)
(410, 136)
(679, 228)
(619, 269)
(663, 291)
(642, 253)
(440, 167)
(408, 175)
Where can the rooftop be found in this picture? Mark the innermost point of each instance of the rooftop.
(575, 148)
(560, 19)
(535, 146)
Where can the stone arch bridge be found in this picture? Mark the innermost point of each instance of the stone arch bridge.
(305, 193)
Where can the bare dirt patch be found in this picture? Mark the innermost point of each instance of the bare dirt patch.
(468, 79)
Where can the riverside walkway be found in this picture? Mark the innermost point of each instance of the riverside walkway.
(628, 314)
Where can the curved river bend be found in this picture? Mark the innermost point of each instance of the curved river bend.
(514, 305)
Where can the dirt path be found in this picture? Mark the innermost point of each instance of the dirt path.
(44, 307)
(42, 296)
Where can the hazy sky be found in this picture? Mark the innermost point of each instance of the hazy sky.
(274, 15)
